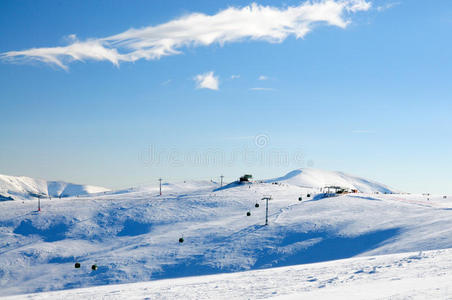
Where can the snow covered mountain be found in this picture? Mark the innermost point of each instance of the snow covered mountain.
(134, 235)
(21, 187)
(315, 178)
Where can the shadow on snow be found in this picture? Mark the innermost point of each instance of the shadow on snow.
(274, 254)
(134, 228)
(53, 233)
(324, 247)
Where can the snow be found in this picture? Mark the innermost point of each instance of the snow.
(133, 236)
(21, 187)
(315, 178)
(424, 275)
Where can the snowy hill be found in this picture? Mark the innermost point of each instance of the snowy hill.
(133, 235)
(20, 187)
(418, 275)
(315, 178)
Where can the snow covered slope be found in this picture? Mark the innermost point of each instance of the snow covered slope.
(133, 235)
(20, 187)
(418, 275)
(315, 178)
(169, 188)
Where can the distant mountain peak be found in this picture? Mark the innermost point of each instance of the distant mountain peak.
(317, 178)
(22, 187)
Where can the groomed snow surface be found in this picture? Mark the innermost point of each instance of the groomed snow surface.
(422, 275)
(133, 236)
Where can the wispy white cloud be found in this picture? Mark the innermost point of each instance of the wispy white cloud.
(253, 22)
(262, 89)
(387, 6)
(90, 49)
(262, 77)
(207, 81)
(166, 82)
(235, 76)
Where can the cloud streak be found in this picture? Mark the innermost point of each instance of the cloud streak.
(253, 22)
(387, 6)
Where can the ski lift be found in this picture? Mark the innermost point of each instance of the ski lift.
(248, 213)
(77, 265)
(181, 240)
(94, 267)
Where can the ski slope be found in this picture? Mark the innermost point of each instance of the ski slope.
(133, 234)
(416, 275)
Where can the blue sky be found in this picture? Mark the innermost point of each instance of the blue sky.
(370, 97)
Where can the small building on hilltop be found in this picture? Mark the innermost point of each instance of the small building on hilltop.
(246, 178)
(333, 189)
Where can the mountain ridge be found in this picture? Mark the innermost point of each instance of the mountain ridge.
(23, 187)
